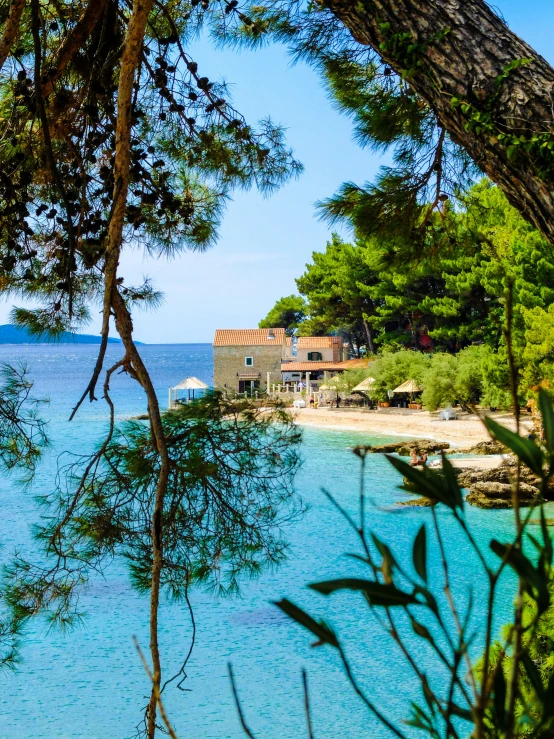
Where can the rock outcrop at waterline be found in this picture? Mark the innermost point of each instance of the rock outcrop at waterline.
(486, 447)
(404, 448)
(492, 488)
(499, 495)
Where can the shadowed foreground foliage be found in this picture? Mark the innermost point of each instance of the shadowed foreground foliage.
(506, 690)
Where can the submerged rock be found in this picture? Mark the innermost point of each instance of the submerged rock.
(422, 502)
(404, 448)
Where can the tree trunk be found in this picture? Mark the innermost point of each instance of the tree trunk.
(113, 302)
(369, 337)
(465, 63)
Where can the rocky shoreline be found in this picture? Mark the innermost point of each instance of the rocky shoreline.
(493, 488)
(487, 488)
(430, 446)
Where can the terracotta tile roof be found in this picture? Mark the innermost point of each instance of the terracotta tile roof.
(306, 366)
(333, 366)
(249, 337)
(318, 342)
(288, 340)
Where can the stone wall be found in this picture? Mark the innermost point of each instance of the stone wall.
(229, 363)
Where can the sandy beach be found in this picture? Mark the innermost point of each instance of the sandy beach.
(462, 433)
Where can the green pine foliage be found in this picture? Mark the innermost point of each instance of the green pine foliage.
(287, 313)
(336, 286)
(229, 497)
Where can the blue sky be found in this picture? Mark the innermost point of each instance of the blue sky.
(265, 243)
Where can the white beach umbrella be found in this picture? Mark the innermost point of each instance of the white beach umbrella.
(190, 383)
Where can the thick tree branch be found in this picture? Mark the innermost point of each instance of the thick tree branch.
(74, 42)
(11, 29)
(464, 49)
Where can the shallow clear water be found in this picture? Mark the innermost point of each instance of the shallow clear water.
(89, 683)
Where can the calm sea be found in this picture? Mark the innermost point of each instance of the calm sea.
(88, 683)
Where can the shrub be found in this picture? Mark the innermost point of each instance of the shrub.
(393, 368)
(469, 375)
(439, 381)
(351, 378)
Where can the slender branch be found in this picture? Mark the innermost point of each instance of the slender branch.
(74, 43)
(191, 647)
(436, 166)
(91, 387)
(307, 704)
(243, 723)
(163, 714)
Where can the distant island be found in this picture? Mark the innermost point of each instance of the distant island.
(14, 335)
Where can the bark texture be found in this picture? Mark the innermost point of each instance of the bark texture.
(466, 63)
(74, 42)
(11, 29)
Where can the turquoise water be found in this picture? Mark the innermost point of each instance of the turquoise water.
(89, 683)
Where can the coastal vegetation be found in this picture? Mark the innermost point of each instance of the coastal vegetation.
(113, 137)
(449, 306)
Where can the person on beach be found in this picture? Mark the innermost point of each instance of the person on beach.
(422, 461)
(418, 460)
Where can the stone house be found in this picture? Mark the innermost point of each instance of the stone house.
(244, 357)
(319, 349)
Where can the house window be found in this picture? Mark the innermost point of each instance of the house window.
(315, 356)
(249, 361)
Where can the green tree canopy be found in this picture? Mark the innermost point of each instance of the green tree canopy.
(334, 286)
(453, 297)
(287, 313)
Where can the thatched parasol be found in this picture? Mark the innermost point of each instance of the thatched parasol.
(410, 386)
(364, 386)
